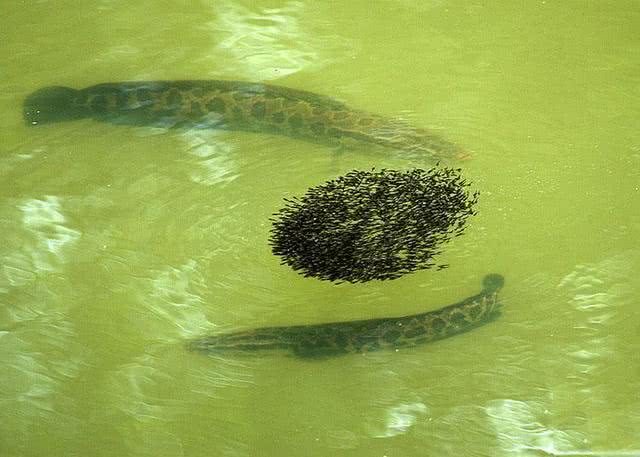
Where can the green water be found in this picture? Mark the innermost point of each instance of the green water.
(119, 244)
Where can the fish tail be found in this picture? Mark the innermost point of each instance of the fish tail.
(252, 340)
(401, 136)
(53, 104)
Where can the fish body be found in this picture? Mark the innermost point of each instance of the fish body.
(361, 336)
(233, 105)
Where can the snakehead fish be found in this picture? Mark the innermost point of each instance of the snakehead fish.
(331, 339)
(232, 105)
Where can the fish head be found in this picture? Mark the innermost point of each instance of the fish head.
(52, 104)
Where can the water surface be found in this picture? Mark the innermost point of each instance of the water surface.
(121, 243)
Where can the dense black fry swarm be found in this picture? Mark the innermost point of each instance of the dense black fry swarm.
(372, 224)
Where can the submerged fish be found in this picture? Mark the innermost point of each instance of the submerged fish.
(362, 336)
(232, 105)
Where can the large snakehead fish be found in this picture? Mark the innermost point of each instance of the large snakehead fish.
(232, 105)
(331, 339)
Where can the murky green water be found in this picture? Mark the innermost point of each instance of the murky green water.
(122, 243)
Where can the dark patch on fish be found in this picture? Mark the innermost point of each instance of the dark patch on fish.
(337, 338)
(232, 105)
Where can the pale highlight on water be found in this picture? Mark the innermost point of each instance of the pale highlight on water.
(122, 243)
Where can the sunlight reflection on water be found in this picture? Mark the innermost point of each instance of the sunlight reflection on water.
(267, 43)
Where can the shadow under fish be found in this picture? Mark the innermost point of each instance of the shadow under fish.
(232, 105)
(361, 336)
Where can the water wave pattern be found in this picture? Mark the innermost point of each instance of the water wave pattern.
(402, 417)
(213, 159)
(267, 43)
(37, 372)
(563, 420)
(523, 430)
(36, 334)
(593, 291)
(34, 248)
(134, 393)
(44, 222)
(144, 396)
(174, 296)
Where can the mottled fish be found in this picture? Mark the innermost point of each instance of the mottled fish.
(233, 105)
(336, 338)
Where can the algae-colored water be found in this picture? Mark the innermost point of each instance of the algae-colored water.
(121, 243)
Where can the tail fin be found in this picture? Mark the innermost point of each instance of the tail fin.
(399, 135)
(53, 104)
